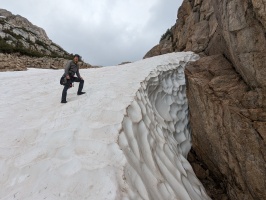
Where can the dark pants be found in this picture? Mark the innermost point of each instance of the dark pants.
(68, 85)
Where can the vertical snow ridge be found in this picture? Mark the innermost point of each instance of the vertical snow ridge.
(155, 138)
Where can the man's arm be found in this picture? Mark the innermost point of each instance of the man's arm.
(78, 73)
(67, 67)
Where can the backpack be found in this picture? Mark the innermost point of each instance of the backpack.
(63, 80)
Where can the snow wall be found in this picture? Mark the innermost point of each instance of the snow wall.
(155, 138)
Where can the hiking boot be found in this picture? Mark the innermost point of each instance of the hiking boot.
(81, 93)
(63, 101)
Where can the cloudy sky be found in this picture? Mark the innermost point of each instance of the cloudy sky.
(103, 32)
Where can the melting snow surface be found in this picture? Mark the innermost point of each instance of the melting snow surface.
(126, 138)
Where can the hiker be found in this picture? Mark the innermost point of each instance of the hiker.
(71, 69)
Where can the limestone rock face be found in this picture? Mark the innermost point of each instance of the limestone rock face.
(243, 25)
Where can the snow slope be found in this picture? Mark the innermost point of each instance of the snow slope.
(126, 138)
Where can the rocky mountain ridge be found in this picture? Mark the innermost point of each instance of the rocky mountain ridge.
(24, 45)
(226, 89)
(17, 34)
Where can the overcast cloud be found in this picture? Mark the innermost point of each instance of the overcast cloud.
(103, 32)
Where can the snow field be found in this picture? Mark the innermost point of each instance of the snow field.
(126, 138)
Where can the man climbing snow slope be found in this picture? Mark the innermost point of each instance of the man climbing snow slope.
(71, 69)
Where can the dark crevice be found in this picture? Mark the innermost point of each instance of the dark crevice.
(215, 187)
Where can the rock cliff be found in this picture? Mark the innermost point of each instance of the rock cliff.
(226, 89)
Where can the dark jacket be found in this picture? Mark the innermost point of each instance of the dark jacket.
(71, 69)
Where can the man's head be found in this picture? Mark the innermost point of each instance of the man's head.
(76, 58)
